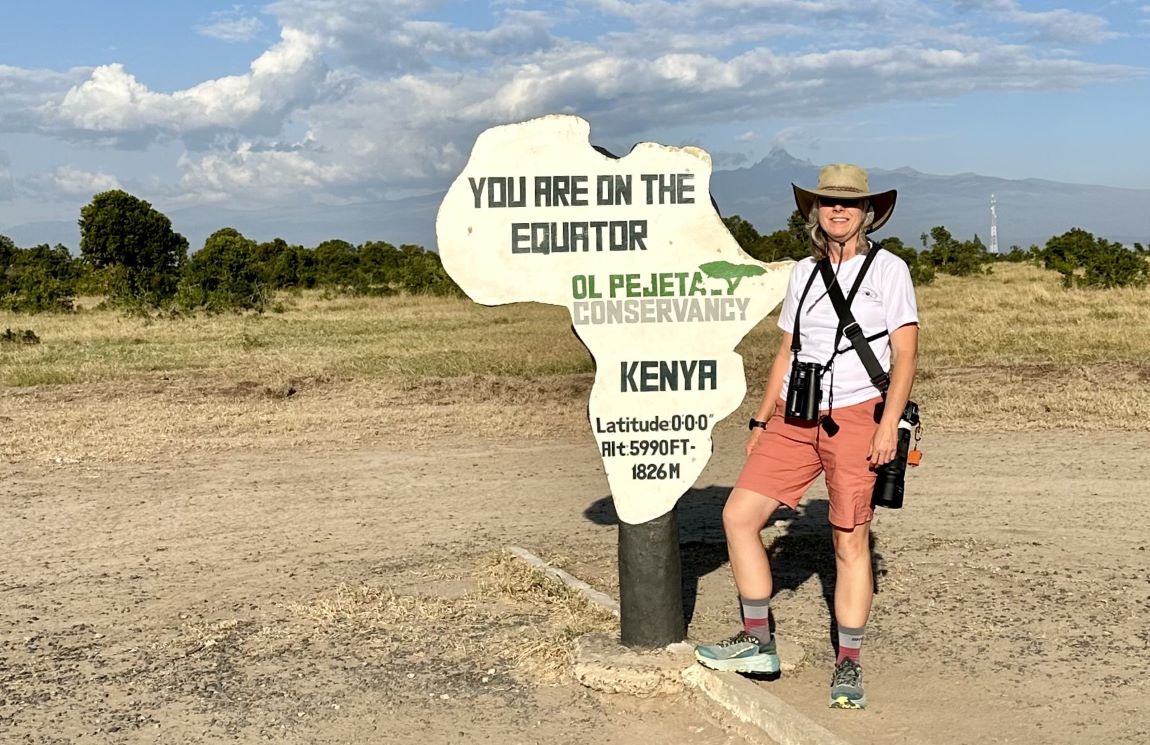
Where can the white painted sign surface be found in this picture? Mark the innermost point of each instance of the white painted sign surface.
(657, 288)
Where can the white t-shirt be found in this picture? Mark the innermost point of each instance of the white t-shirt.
(885, 301)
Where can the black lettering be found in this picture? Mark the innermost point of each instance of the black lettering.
(578, 236)
(562, 187)
(623, 189)
(708, 373)
(627, 377)
(688, 370)
(638, 235)
(649, 180)
(649, 376)
(604, 190)
(619, 234)
(598, 226)
(497, 192)
(477, 189)
(520, 237)
(669, 376)
(541, 237)
(686, 188)
(542, 191)
(579, 191)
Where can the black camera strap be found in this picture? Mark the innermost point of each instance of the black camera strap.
(848, 326)
(796, 344)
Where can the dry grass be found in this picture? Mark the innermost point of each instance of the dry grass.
(519, 618)
(1012, 351)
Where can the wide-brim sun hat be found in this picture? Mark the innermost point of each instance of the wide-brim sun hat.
(849, 181)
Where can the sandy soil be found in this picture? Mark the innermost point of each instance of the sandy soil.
(180, 602)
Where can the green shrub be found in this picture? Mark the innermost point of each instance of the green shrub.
(422, 273)
(951, 256)
(37, 280)
(1086, 261)
(789, 243)
(224, 275)
(921, 272)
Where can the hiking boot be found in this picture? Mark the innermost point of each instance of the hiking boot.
(742, 653)
(846, 686)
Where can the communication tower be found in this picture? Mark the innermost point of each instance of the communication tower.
(993, 225)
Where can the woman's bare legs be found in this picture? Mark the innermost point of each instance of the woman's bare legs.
(854, 586)
(744, 517)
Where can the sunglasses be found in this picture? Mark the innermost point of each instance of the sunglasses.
(840, 202)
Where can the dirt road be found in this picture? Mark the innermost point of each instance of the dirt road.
(191, 600)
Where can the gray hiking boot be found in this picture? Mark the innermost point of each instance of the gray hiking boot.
(846, 686)
(742, 653)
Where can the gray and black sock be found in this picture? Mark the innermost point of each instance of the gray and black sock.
(850, 643)
(757, 618)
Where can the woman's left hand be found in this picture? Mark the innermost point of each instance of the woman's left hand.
(883, 445)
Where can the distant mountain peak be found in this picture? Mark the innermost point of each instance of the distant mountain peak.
(778, 155)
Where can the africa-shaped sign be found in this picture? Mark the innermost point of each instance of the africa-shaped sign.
(657, 288)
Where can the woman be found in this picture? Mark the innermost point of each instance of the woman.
(854, 433)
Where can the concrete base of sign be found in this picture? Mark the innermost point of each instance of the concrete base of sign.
(603, 664)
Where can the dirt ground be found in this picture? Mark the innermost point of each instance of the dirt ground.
(207, 598)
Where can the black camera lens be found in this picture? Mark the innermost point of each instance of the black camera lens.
(890, 478)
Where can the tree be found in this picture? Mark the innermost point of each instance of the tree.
(284, 266)
(7, 251)
(743, 232)
(797, 226)
(423, 273)
(1067, 252)
(134, 247)
(224, 275)
(790, 243)
(379, 266)
(921, 272)
(1112, 265)
(1086, 261)
(951, 256)
(35, 280)
(336, 264)
(1017, 255)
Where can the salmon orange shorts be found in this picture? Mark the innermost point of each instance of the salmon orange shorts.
(789, 456)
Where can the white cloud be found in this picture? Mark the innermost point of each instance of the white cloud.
(6, 188)
(392, 102)
(76, 182)
(381, 36)
(1059, 25)
(112, 105)
(231, 26)
(66, 182)
(25, 93)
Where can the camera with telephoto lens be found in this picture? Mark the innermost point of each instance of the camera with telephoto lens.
(890, 477)
(804, 392)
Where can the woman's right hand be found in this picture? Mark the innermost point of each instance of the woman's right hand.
(753, 440)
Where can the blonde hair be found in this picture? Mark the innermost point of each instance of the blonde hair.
(819, 238)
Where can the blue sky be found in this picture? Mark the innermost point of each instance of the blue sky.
(304, 103)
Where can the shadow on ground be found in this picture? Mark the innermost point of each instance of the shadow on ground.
(803, 550)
